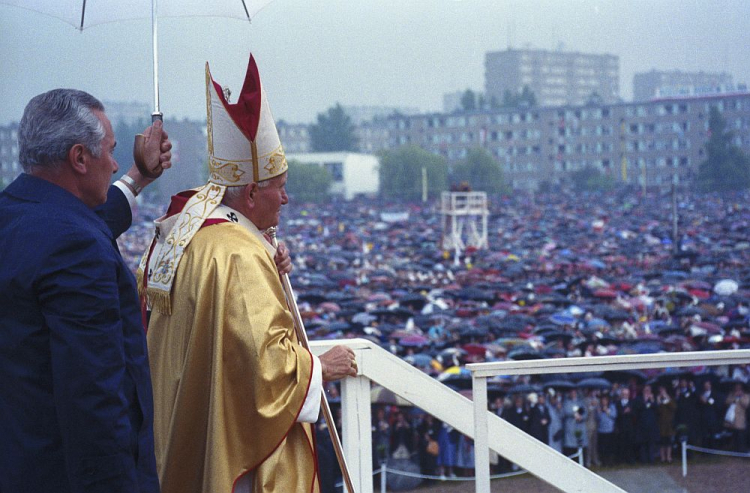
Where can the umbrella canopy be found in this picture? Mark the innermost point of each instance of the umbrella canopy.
(82, 14)
(414, 341)
(559, 384)
(626, 375)
(383, 396)
(594, 383)
(524, 352)
(523, 388)
(726, 287)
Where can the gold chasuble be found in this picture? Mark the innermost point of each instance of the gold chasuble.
(229, 376)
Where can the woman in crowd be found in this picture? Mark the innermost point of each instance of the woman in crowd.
(665, 411)
(607, 414)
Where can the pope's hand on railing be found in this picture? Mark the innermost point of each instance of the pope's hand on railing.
(337, 363)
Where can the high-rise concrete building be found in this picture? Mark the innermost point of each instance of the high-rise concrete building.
(675, 83)
(556, 78)
(650, 144)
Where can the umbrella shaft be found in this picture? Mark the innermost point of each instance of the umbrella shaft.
(157, 114)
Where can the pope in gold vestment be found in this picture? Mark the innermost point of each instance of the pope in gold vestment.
(229, 377)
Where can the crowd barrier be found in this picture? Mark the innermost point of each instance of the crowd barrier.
(385, 470)
(725, 453)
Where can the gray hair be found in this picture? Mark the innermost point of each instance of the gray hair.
(54, 122)
(233, 194)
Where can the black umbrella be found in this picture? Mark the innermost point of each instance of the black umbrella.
(594, 383)
(728, 384)
(314, 297)
(625, 375)
(559, 384)
(523, 353)
(554, 336)
(523, 388)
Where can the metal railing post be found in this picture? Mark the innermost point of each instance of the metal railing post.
(580, 456)
(481, 440)
(684, 457)
(383, 478)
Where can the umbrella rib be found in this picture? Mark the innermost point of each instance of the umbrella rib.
(83, 15)
(246, 12)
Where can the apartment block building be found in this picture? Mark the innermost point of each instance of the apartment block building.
(650, 144)
(675, 83)
(557, 78)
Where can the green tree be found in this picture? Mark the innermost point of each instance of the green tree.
(525, 99)
(308, 182)
(590, 179)
(400, 173)
(480, 170)
(334, 131)
(725, 167)
(468, 100)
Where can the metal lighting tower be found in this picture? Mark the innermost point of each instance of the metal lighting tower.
(464, 221)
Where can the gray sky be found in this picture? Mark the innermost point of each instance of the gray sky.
(314, 53)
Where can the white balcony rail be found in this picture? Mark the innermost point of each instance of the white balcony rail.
(377, 365)
(541, 466)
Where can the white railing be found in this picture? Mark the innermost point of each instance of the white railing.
(462, 203)
(377, 365)
(548, 471)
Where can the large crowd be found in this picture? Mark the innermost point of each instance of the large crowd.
(565, 274)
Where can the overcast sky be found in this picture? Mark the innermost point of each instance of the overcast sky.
(314, 53)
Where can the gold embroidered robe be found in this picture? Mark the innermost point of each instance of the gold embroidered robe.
(228, 374)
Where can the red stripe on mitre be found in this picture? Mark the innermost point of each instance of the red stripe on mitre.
(245, 113)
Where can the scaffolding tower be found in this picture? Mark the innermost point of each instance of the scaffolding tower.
(464, 221)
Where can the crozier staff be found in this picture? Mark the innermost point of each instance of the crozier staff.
(235, 392)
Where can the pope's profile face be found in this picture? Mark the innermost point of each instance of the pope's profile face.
(269, 200)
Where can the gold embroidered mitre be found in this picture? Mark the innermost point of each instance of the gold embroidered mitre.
(243, 143)
(243, 147)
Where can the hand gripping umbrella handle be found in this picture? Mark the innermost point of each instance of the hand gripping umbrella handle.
(299, 328)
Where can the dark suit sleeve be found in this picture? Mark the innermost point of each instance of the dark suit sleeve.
(79, 297)
(116, 212)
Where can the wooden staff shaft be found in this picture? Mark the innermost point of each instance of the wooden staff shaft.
(299, 327)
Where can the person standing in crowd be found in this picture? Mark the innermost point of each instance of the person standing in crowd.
(76, 394)
(427, 443)
(607, 416)
(687, 409)
(665, 412)
(627, 415)
(518, 413)
(709, 415)
(556, 422)
(235, 392)
(381, 437)
(647, 432)
(401, 437)
(539, 417)
(592, 431)
(735, 419)
(574, 415)
(447, 443)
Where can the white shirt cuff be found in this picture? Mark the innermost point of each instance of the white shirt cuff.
(128, 194)
(311, 407)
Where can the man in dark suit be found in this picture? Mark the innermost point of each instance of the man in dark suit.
(75, 401)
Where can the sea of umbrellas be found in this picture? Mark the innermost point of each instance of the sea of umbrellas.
(564, 275)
